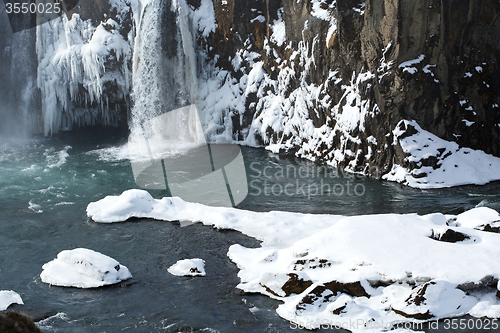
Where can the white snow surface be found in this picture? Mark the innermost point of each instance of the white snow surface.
(83, 268)
(8, 297)
(393, 257)
(188, 267)
(456, 165)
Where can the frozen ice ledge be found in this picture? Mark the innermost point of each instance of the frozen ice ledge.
(369, 270)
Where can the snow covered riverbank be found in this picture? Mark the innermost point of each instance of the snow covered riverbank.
(369, 269)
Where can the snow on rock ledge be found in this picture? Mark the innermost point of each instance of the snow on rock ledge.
(8, 297)
(431, 162)
(188, 267)
(388, 268)
(83, 268)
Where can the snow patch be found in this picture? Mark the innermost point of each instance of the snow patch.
(8, 297)
(412, 62)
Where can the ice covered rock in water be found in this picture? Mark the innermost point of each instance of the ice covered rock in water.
(8, 297)
(131, 203)
(188, 267)
(83, 268)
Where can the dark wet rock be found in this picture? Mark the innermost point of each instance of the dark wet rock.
(421, 316)
(36, 314)
(486, 282)
(295, 284)
(320, 294)
(311, 264)
(17, 322)
(491, 227)
(339, 310)
(450, 236)
(327, 293)
(351, 288)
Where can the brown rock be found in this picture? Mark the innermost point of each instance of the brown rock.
(17, 322)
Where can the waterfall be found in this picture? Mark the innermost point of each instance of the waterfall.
(19, 98)
(164, 77)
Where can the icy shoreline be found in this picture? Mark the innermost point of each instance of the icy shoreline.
(389, 268)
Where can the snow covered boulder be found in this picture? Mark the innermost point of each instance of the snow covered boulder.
(434, 299)
(8, 297)
(83, 268)
(188, 267)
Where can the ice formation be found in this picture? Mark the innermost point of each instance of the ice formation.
(83, 268)
(74, 59)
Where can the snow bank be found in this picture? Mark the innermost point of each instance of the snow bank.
(370, 269)
(83, 268)
(188, 267)
(8, 297)
(139, 203)
(439, 163)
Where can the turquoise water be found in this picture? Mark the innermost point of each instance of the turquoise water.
(47, 183)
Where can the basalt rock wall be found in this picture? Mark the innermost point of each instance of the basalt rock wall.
(347, 72)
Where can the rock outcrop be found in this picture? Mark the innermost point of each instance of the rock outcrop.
(335, 84)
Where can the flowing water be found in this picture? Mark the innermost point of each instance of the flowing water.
(46, 184)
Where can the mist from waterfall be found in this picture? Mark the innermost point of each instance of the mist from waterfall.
(19, 98)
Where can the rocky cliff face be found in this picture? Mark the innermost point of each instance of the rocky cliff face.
(336, 79)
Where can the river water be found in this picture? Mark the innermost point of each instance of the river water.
(47, 183)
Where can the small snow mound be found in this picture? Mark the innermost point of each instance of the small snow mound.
(83, 268)
(477, 217)
(134, 203)
(188, 267)
(8, 297)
